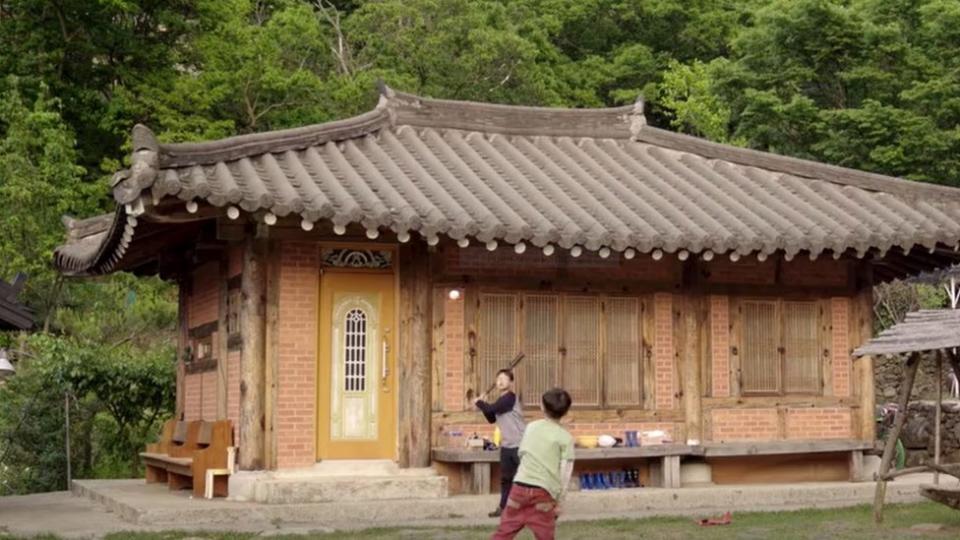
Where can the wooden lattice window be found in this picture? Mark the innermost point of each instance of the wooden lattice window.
(355, 351)
(622, 346)
(801, 347)
(581, 349)
(589, 345)
(541, 341)
(498, 327)
(779, 347)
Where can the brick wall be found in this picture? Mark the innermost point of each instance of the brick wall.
(818, 423)
(744, 424)
(208, 393)
(720, 346)
(193, 397)
(840, 345)
(663, 350)
(297, 355)
(453, 337)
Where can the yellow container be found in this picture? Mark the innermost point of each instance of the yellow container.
(496, 436)
(587, 441)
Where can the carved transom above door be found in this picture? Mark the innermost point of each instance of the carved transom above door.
(356, 258)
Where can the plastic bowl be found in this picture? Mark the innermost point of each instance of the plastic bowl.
(587, 441)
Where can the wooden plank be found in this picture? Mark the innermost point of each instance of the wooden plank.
(856, 466)
(825, 341)
(413, 413)
(471, 299)
(783, 447)
(438, 349)
(252, 326)
(735, 338)
(689, 353)
(271, 354)
(778, 401)
(648, 371)
(221, 344)
(586, 416)
(864, 364)
(182, 323)
(905, 389)
(670, 467)
(481, 477)
(450, 455)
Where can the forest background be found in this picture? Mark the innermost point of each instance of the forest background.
(869, 84)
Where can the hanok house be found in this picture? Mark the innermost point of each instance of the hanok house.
(345, 286)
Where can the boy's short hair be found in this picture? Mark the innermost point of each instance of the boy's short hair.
(506, 371)
(556, 403)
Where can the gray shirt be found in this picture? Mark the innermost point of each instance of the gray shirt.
(507, 413)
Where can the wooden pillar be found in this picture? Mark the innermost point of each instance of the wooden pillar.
(414, 359)
(252, 325)
(864, 366)
(689, 345)
(937, 429)
(890, 446)
(221, 344)
(271, 351)
(182, 324)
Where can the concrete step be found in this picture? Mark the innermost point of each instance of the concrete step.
(316, 489)
(352, 468)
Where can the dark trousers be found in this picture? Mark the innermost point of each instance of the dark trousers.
(509, 462)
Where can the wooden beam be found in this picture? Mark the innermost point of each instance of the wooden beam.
(864, 365)
(252, 325)
(936, 421)
(271, 355)
(221, 345)
(888, 450)
(414, 359)
(182, 324)
(690, 366)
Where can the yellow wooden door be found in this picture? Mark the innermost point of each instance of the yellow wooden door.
(356, 408)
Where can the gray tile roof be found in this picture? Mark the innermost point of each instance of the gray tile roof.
(591, 178)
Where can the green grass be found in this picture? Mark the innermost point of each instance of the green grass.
(850, 523)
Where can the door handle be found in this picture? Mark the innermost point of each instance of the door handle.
(384, 362)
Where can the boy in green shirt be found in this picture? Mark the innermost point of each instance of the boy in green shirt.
(546, 464)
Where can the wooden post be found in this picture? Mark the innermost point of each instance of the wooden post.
(888, 450)
(221, 344)
(936, 433)
(271, 351)
(864, 365)
(252, 325)
(690, 362)
(182, 324)
(414, 360)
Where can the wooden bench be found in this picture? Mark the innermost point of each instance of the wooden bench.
(855, 447)
(186, 451)
(667, 457)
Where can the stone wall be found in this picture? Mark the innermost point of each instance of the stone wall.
(888, 372)
(918, 432)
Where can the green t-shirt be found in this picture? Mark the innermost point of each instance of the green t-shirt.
(544, 447)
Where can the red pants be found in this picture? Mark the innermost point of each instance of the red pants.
(528, 507)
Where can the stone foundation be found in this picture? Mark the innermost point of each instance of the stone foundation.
(918, 432)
